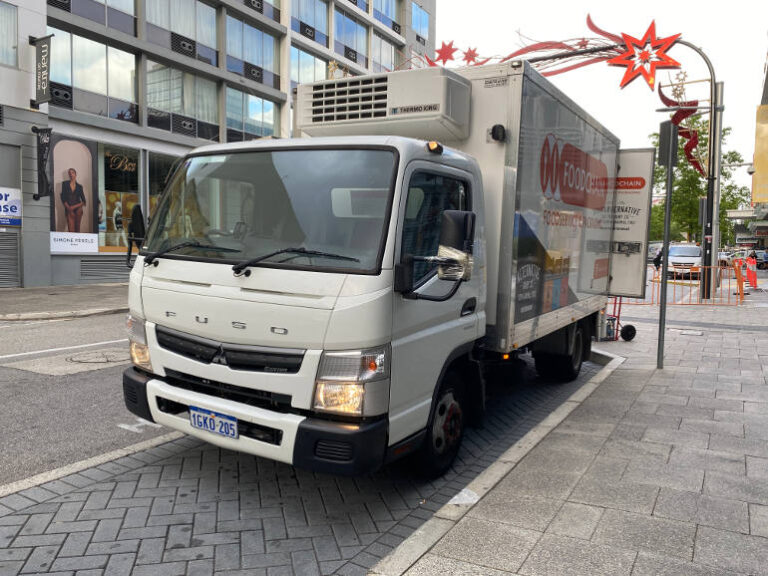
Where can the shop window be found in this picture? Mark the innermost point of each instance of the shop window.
(8, 35)
(118, 194)
(160, 167)
(310, 19)
(181, 102)
(251, 53)
(351, 38)
(187, 27)
(92, 77)
(248, 117)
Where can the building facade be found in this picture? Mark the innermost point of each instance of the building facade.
(135, 84)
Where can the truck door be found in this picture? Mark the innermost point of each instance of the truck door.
(426, 333)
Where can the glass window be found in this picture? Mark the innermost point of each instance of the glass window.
(254, 115)
(158, 86)
(126, 6)
(321, 17)
(159, 13)
(8, 35)
(235, 109)
(331, 201)
(118, 170)
(207, 101)
(306, 68)
(383, 54)
(350, 33)
(252, 39)
(61, 56)
(122, 75)
(269, 53)
(428, 196)
(386, 8)
(234, 37)
(89, 65)
(160, 167)
(420, 21)
(313, 13)
(183, 17)
(294, 64)
(269, 118)
(206, 25)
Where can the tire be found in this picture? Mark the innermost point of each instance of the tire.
(566, 367)
(628, 332)
(445, 428)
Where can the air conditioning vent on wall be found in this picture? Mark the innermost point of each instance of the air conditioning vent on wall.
(183, 45)
(61, 4)
(184, 125)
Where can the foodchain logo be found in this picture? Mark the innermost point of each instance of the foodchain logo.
(571, 175)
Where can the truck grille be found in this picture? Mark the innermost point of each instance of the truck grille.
(350, 99)
(247, 358)
(258, 398)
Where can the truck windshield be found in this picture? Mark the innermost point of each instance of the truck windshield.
(330, 204)
(685, 251)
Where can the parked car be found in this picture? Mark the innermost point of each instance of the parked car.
(762, 259)
(652, 248)
(684, 260)
(725, 259)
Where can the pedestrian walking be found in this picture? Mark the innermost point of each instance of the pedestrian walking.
(657, 259)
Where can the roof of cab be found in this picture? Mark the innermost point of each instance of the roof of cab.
(407, 147)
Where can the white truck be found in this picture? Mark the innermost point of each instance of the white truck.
(336, 301)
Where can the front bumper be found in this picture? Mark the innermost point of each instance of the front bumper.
(313, 443)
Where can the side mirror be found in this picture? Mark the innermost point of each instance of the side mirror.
(136, 232)
(457, 235)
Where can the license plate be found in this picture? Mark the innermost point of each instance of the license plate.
(214, 422)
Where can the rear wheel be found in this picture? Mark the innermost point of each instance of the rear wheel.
(565, 367)
(445, 428)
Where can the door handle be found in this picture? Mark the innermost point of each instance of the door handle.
(469, 307)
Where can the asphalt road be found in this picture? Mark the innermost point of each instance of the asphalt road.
(63, 406)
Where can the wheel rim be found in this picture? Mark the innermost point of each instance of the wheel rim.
(578, 350)
(447, 426)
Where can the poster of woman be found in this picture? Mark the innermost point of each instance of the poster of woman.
(74, 223)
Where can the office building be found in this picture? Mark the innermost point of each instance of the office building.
(135, 84)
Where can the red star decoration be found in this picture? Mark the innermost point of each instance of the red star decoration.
(582, 44)
(644, 56)
(445, 54)
(470, 56)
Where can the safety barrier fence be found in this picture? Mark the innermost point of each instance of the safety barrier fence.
(684, 287)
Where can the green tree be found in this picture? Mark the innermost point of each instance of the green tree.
(657, 226)
(690, 185)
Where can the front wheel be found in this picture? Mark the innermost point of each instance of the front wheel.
(445, 428)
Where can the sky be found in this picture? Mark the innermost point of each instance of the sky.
(733, 35)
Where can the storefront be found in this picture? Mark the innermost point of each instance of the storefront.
(96, 179)
(10, 215)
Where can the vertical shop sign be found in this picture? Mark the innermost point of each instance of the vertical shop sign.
(43, 151)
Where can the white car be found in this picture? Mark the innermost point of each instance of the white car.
(684, 260)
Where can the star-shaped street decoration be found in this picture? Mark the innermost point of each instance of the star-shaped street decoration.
(643, 57)
(470, 56)
(445, 54)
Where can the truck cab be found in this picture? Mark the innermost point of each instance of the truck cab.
(262, 312)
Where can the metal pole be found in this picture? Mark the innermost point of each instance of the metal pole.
(664, 263)
(718, 157)
(715, 135)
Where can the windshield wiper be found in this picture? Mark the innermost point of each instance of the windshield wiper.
(241, 266)
(190, 243)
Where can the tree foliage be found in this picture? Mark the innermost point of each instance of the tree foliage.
(689, 186)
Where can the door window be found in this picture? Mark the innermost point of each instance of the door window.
(429, 194)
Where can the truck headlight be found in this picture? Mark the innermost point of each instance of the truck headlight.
(137, 337)
(354, 382)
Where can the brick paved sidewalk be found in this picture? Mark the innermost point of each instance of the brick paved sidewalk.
(657, 472)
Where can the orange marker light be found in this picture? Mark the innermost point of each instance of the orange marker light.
(435, 147)
(372, 366)
(505, 357)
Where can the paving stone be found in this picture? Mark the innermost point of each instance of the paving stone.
(677, 437)
(732, 487)
(636, 532)
(648, 564)
(491, 544)
(758, 520)
(622, 495)
(41, 559)
(120, 565)
(684, 457)
(575, 521)
(538, 483)
(515, 509)
(80, 563)
(659, 474)
(560, 555)
(717, 548)
(164, 569)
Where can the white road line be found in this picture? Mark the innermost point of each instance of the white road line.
(52, 475)
(19, 355)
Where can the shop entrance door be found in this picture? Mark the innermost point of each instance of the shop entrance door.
(10, 179)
